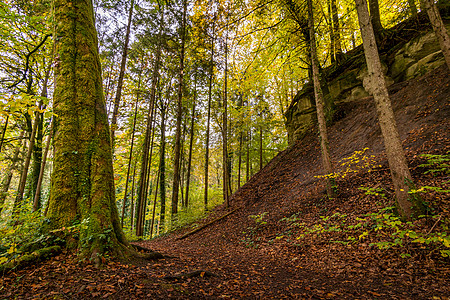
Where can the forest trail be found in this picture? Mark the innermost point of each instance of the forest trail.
(256, 252)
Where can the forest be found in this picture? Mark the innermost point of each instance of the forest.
(212, 149)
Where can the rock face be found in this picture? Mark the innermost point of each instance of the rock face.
(349, 81)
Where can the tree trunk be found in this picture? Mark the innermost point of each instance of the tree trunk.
(26, 165)
(327, 168)
(82, 180)
(4, 132)
(177, 149)
(191, 144)
(336, 31)
(9, 173)
(132, 206)
(247, 170)
(260, 147)
(376, 20)
(439, 28)
(208, 119)
(162, 168)
(121, 75)
(226, 198)
(37, 195)
(130, 157)
(144, 164)
(397, 161)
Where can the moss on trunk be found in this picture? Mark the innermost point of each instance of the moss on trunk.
(82, 189)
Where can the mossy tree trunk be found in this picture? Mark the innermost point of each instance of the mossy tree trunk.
(398, 165)
(82, 187)
(326, 162)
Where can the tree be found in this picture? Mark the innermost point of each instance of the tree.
(121, 74)
(439, 28)
(398, 165)
(82, 181)
(318, 95)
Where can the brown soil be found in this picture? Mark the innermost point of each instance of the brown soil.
(241, 258)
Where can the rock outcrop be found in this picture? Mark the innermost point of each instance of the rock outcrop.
(404, 56)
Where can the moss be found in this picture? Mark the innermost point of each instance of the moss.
(82, 181)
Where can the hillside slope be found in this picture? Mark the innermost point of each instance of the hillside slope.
(264, 258)
(283, 238)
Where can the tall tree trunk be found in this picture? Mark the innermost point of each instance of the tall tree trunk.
(208, 119)
(191, 144)
(37, 195)
(376, 20)
(130, 157)
(162, 168)
(144, 164)
(37, 149)
(177, 150)
(154, 204)
(327, 168)
(4, 132)
(240, 159)
(132, 206)
(247, 160)
(336, 30)
(260, 147)
(26, 165)
(226, 198)
(439, 28)
(82, 180)
(332, 35)
(397, 161)
(121, 75)
(10, 171)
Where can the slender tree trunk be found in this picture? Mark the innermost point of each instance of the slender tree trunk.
(4, 132)
(439, 28)
(397, 161)
(37, 195)
(130, 158)
(208, 120)
(247, 170)
(10, 171)
(336, 30)
(154, 204)
(143, 172)
(332, 35)
(132, 206)
(26, 165)
(240, 159)
(224, 129)
(260, 147)
(121, 75)
(376, 19)
(177, 150)
(191, 144)
(183, 162)
(327, 168)
(162, 168)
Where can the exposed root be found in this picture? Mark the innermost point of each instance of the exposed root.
(27, 259)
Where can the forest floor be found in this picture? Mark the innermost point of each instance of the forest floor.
(284, 238)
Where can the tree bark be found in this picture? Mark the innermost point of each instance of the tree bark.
(162, 168)
(4, 132)
(225, 180)
(177, 148)
(130, 158)
(121, 75)
(82, 180)
(326, 162)
(376, 19)
(439, 28)
(336, 31)
(401, 176)
(10, 171)
(208, 119)
(37, 195)
(191, 144)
